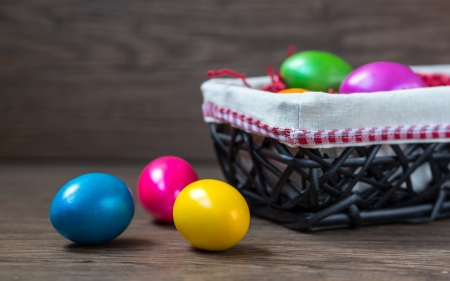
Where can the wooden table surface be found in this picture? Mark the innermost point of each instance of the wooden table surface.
(31, 249)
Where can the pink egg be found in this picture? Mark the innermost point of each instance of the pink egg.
(380, 76)
(160, 183)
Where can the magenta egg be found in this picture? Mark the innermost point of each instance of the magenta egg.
(160, 183)
(380, 76)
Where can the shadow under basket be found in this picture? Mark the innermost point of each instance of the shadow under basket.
(318, 189)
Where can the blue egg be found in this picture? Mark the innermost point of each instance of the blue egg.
(92, 208)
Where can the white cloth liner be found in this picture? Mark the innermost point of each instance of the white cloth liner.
(322, 111)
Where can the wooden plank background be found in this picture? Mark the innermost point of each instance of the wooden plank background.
(109, 79)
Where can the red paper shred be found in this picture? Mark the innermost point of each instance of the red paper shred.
(229, 72)
(276, 84)
(291, 50)
(434, 80)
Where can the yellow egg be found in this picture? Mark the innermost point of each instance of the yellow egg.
(211, 215)
(292, 91)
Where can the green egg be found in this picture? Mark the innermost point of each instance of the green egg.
(315, 71)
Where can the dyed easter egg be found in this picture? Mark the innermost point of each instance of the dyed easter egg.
(293, 91)
(314, 70)
(160, 183)
(380, 76)
(92, 208)
(211, 215)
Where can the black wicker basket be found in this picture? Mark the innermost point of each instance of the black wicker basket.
(308, 189)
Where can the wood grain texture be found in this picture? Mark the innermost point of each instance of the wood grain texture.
(31, 249)
(120, 79)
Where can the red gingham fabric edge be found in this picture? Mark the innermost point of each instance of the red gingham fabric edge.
(303, 137)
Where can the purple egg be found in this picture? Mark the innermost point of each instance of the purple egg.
(380, 76)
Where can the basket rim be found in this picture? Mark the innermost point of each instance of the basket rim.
(317, 119)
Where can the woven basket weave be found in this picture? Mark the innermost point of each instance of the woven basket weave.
(309, 190)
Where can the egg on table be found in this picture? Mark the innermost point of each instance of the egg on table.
(160, 183)
(92, 208)
(211, 215)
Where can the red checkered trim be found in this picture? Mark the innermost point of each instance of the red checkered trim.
(303, 137)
